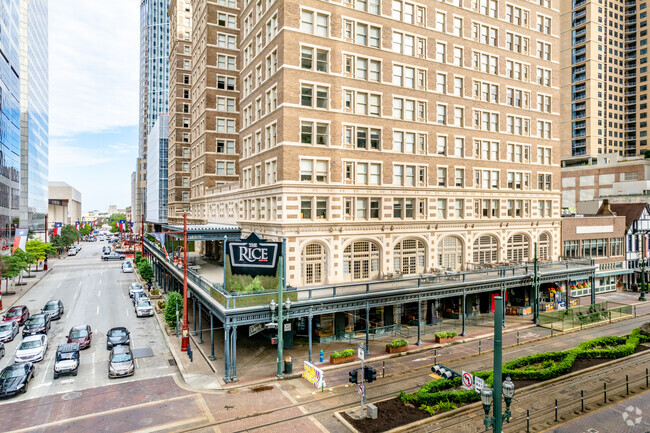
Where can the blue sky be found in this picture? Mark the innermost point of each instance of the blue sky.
(94, 61)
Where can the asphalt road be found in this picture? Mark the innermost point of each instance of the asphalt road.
(94, 292)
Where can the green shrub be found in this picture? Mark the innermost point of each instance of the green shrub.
(173, 300)
(445, 334)
(343, 354)
(145, 270)
(162, 305)
(398, 343)
(444, 406)
(138, 256)
(428, 409)
(154, 292)
(406, 398)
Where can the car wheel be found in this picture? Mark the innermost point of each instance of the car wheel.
(74, 373)
(3, 353)
(56, 376)
(24, 388)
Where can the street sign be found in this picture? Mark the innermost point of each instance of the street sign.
(254, 329)
(468, 380)
(362, 389)
(287, 327)
(361, 353)
(478, 384)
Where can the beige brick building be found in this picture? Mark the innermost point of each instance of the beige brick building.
(180, 85)
(379, 137)
(604, 73)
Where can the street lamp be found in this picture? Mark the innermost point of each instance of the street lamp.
(487, 395)
(185, 340)
(280, 320)
(643, 283)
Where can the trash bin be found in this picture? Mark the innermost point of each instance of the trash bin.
(288, 365)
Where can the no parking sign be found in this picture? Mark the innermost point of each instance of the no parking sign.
(468, 380)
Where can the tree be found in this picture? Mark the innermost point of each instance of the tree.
(145, 269)
(68, 236)
(39, 249)
(85, 230)
(173, 300)
(15, 263)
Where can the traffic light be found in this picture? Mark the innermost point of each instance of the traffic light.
(353, 376)
(369, 374)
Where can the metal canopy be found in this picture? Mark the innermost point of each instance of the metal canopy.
(204, 232)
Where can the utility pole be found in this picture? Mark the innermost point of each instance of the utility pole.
(280, 316)
(362, 415)
(642, 297)
(535, 289)
(185, 341)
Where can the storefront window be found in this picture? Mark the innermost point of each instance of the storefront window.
(517, 248)
(409, 257)
(450, 253)
(485, 250)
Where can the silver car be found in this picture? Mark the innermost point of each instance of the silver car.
(143, 308)
(135, 287)
(120, 362)
(32, 349)
(127, 267)
(8, 331)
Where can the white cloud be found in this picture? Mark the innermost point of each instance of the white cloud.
(94, 65)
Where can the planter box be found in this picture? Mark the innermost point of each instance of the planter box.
(335, 361)
(158, 310)
(396, 349)
(155, 296)
(444, 340)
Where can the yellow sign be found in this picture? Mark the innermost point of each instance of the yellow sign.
(313, 374)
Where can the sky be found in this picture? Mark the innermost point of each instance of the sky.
(94, 74)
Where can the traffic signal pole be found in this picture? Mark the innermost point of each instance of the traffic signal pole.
(362, 415)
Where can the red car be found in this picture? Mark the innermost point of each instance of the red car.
(81, 334)
(17, 313)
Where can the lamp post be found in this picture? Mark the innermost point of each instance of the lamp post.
(507, 388)
(642, 296)
(185, 341)
(280, 320)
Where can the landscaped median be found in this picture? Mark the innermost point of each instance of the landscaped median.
(443, 395)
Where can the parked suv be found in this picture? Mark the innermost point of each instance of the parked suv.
(113, 256)
(67, 359)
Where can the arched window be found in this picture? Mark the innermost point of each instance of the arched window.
(409, 257)
(450, 253)
(518, 248)
(361, 261)
(313, 264)
(544, 247)
(485, 250)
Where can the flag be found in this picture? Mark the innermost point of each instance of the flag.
(76, 225)
(121, 225)
(160, 237)
(117, 224)
(57, 229)
(20, 239)
(131, 226)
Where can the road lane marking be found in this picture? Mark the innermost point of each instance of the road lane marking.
(170, 426)
(204, 406)
(42, 427)
(99, 293)
(67, 381)
(98, 310)
(127, 311)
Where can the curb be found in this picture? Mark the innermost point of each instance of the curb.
(27, 291)
(179, 364)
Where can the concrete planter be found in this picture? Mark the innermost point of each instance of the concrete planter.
(335, 361)
(396, 349)
(444, 340)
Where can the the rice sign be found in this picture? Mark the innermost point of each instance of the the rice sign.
(253, 256)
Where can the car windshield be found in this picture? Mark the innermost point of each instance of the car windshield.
(116, 333)
(15, 371)
(5, 327)
(30, 344)
(13, 313)
(35, 321)
(121, 357)
(51, 306)
(66, 356)
(79, 334)
(144, 304)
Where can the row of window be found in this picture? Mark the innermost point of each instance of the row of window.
(593, 248)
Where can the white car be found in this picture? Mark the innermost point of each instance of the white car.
(127, 267)
(135, 287)
(32, 349)
(102, 238)
(72, 251)
(143, 308)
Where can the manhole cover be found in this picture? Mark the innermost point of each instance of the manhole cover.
(145, 421)
(142, 353)
(287, 387)
(71, 395)
(171, 362)
(233, 391)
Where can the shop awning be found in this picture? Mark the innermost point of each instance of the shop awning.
(205, 232)
(612, 273)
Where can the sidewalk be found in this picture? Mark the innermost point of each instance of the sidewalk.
(15, 292)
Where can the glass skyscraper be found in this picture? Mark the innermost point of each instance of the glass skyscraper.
(34, 120)
(9, 118)
(157, 170)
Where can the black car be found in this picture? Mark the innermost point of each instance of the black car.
(14, 379)
(117, 336)
(37, 324)
(53, 308)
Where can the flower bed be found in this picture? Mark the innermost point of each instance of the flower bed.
(342, 357)
(445, 337)
(397, 346)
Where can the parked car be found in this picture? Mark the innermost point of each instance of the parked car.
(72, 251)
(67, 359)
(37, 324)
(134, 287)
(138, 296)
(32, 349)
(127, 268)
(8, 331)
(113, 256)
(17, 313)
(78, 247)
(2, 350)
(117, 336)
(81, 334)
(120, 362)
(15, 378)
(106, 249)
(102, 238)
(53, 308)
(143, 308)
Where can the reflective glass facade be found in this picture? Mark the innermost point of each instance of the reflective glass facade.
(157, 171)
(34, 102)
(9, 117)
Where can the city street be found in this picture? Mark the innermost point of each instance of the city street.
(93, 292)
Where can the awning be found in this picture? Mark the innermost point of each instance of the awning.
(612, 273)
(205, 232)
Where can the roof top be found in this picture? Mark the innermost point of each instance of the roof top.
(205, 227)
(631, 211)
